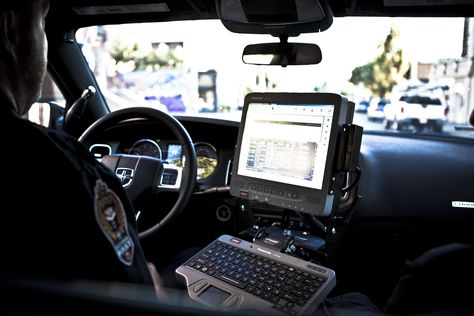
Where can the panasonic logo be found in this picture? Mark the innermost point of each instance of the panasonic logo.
(271, 241)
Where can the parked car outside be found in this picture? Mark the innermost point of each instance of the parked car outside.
(417, 111)
(362, 106)
(375, 111)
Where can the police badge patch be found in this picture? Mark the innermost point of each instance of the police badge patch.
(110, 216)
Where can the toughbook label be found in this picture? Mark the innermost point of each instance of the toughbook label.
(110, 216)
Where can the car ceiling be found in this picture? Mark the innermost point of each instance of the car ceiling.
(77, 12)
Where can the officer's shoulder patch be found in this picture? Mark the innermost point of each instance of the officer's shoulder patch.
(110, 215)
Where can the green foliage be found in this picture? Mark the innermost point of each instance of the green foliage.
(151, 58)
(388, 68)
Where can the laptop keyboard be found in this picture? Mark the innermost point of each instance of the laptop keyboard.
(287, 287)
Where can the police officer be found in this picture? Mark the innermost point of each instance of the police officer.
(63, 215)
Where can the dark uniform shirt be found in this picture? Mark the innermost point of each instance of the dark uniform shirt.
(63, 215)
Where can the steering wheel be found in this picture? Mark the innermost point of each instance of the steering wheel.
(140, 173)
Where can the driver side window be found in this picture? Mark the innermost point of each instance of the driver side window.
(49, 110)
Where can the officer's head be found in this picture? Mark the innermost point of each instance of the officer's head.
(23, 52)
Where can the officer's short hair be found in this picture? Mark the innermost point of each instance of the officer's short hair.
(16, 4)
(21, 5)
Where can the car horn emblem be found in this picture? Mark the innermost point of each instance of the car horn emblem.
(125, 175)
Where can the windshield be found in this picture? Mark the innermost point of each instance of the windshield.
(195, 68)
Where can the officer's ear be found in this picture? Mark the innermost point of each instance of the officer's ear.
(9, 34)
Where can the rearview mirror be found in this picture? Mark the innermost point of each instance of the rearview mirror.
(282, 54)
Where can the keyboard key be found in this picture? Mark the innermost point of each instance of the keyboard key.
(290, 298)
(296, 293)
(300, 302)
(282, 302)
(224, 270)
(274, 299)
(201, 261)
(308, 282)
(230, 280)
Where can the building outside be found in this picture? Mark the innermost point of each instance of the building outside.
(458, 75)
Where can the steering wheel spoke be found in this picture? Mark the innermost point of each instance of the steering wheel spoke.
(170, 178)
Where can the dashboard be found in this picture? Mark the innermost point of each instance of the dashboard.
(214, 151)
(172, 152)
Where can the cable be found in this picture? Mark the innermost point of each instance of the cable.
(313, 221)
(353, 184)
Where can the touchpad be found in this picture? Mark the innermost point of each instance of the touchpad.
(214, 296)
